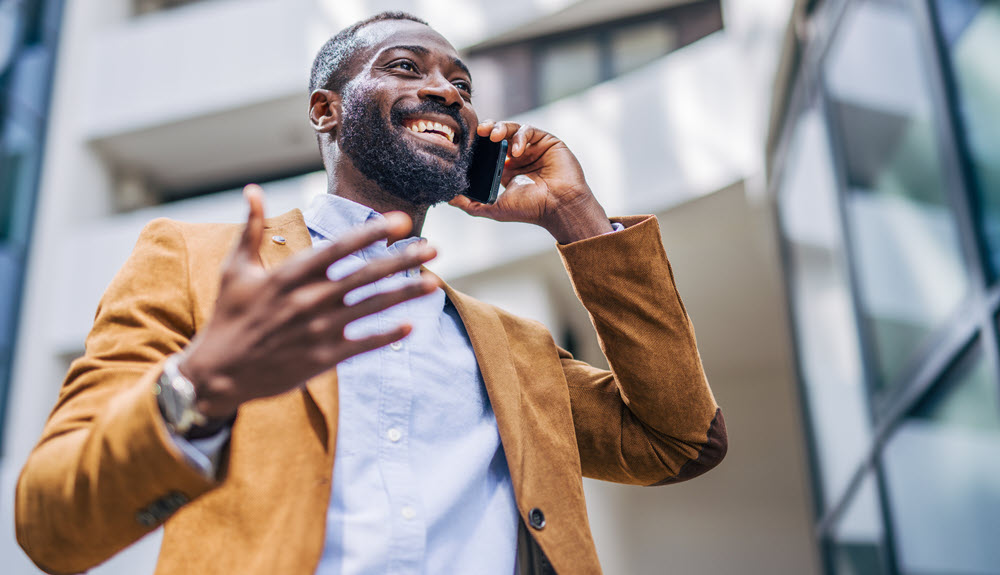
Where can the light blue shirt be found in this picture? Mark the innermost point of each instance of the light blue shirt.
(420, 482)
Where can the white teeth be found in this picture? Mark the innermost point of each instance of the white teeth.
(421, 126)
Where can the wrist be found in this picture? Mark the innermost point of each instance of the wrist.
(578, 220)
(210, 397)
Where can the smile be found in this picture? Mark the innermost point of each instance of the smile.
(431, 129)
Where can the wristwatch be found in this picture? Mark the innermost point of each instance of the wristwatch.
(176, 397)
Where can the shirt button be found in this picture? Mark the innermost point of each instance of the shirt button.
(408, 512)
(394, 434)
(396, 345)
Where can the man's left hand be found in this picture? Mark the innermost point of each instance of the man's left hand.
(544, 185)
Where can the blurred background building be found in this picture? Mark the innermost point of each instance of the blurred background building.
(885, 168)
(826, 175)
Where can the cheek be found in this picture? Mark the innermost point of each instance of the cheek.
(471, 122)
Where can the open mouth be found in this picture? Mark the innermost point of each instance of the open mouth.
(431, 130)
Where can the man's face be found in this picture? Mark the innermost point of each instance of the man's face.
(408, 123)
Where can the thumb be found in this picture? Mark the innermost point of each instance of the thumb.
(246, 250)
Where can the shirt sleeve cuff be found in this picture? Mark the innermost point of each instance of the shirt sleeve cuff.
(615, 227)
(203, 453)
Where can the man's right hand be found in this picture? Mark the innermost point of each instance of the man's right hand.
(273, 330)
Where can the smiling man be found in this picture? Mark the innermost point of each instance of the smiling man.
(298, 395)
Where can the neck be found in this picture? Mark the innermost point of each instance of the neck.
(346, 181)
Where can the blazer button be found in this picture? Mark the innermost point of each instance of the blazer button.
(536, 518)
(146, 519)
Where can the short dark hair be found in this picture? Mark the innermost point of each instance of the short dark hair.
(333, 61)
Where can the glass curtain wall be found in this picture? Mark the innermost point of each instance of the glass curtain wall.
(886, 176)
(28, 33)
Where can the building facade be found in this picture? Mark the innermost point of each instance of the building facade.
(166, 108)
(885, 168)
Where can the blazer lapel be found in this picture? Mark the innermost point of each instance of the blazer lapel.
(489, 342)
(285, 235)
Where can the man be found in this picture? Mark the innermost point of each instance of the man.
(339, 410)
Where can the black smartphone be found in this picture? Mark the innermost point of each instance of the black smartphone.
(485, 169)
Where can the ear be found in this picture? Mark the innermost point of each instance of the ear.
(324, 111)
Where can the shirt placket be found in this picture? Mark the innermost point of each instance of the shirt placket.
(396, 388)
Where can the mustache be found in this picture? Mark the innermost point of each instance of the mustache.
(398, 114)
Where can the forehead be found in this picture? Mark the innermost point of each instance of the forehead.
(379, 36)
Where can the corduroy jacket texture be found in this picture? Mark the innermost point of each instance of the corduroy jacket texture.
(105, 471)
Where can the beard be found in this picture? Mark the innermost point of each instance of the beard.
(425, 176)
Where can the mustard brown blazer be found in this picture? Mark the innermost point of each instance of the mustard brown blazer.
(105, 472)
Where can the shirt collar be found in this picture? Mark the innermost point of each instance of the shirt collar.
(330, 216)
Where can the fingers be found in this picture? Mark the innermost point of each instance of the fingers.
(519, 136)
(412, 257)
(325, 322)
(485, 128)
(470, 206)
(520, 140)
(246, 249)
(359, 346)
(313, 265)
(497, 130)
(382, 301)
(385, 300)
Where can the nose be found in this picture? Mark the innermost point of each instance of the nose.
(439, 89)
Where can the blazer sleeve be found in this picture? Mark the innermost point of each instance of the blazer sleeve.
(105, 471)
(652, 419)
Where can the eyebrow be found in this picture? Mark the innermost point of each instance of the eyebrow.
(457, 62)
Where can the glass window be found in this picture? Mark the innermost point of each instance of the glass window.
(4, 377)
(33, 16)
(857, 539)
(828, 349)
(10, 282)
(640, 44)
(908, 259)
(9, 177)
(8, 38)
(565, 68)
(971, 30)
(942, 470)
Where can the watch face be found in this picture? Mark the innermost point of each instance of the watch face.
(178, 399)
(170, 400)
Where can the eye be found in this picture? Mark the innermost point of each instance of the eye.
(464, 86)
(405, 65)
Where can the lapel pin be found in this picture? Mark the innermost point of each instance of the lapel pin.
(280, 240)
